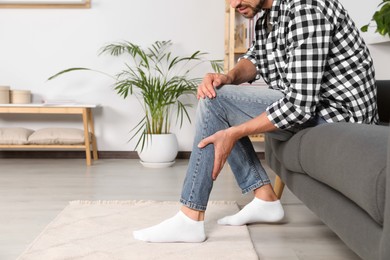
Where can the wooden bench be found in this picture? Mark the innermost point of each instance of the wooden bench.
(80, 109)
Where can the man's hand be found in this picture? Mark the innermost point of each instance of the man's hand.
(223, 144)
(243, 71)
(211, 81)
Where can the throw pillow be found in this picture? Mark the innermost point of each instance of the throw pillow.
(14, 135)
(66, 136)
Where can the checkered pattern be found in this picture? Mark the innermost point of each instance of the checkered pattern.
(316, 57)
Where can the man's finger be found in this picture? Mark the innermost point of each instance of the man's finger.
(205, 142)
(216, 168)
(217, 82)
(216, 171)
(209, 91)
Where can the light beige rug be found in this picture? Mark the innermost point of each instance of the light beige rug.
(99, 230)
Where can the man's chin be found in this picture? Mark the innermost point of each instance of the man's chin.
(248, 15)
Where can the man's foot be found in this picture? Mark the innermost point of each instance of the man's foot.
(256, 211)
(179, 228)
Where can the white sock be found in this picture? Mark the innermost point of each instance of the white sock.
(179, 228)
(256, 211)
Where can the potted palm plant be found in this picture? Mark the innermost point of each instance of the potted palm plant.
(159, 80)
(381, 18)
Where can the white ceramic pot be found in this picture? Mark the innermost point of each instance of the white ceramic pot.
(161, 151)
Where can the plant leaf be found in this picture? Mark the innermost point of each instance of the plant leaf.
(158, 79)
(66, 71)
(364, 28)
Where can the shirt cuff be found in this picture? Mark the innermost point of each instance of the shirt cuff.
(283, 114)
(253, 60)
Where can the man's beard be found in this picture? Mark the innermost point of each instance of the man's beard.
(259, 7)
(256, 9)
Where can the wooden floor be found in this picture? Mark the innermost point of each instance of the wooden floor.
(34, 191)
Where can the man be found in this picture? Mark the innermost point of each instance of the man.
(318, 70)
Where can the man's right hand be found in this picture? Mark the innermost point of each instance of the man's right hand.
(210, 82)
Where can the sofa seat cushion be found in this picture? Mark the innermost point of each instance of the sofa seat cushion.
(350, 158)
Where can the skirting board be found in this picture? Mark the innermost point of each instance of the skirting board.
(81, 154)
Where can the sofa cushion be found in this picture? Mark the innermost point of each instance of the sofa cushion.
(287, 152)
(350, 158)
(14, 135)
(65, 136)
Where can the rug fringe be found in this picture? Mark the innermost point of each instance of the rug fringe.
(134, 202)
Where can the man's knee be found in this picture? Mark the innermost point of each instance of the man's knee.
(226, 89)
(210, 108)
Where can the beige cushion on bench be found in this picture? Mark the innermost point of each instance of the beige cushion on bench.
(14, 135)
(67, 136)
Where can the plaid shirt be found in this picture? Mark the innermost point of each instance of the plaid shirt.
(312, 52)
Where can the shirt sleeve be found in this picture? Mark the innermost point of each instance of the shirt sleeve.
(308, 38)
(251, 56)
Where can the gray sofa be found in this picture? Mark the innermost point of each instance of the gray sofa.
(341, 172)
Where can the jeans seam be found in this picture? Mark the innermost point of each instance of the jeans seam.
(192, 205)
(221, 116)
(253, 169)
(255, 186)
(196, 170)
(243, 99)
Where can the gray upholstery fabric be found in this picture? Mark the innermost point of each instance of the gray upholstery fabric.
(287, 152)
(346, 219)
(340, 172)
(354, 164)
(385, 242)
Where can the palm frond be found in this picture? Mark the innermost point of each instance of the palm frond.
(158, 79)
(66, 71)
(217, 65)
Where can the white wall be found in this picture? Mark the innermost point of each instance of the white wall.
(361, 12)
(36, 43)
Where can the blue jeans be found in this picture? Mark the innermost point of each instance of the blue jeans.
(233, 105)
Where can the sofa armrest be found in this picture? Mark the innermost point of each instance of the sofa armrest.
(385, 242)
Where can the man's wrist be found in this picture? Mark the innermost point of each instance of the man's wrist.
(236, 132)
(230, 77)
